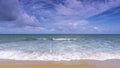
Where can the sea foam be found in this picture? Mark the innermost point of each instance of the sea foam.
(59, 47)
(20, 55)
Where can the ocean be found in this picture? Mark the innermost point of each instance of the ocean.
(59, 47)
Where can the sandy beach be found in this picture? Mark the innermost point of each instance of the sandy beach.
(68, 64)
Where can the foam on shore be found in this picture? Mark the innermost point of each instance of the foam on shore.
(21, 55)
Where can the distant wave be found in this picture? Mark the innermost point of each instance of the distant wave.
(30, 39)
(20, 55)
(50, 39)
(34, 39)
(64, 39)
(60, 47)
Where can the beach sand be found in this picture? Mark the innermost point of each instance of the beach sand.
(70, 64)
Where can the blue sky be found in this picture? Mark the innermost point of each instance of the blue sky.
(60, 16)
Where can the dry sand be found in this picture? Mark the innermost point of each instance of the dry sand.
(70, 64)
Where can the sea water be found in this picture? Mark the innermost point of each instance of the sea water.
(59, 47)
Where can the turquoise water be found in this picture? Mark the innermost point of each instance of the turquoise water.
(60, 47)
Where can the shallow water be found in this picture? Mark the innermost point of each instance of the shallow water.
(52, 47)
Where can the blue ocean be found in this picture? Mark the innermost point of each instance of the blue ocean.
(59, 47)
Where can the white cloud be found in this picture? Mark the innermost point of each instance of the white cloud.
(97, 29)
(14, 16)
(70, 26)
(85, 9)
(26, 20)
(68, 17)
(72, 23)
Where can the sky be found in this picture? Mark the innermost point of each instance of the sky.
(59, 16)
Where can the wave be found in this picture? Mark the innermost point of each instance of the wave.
(64, 39)
(21, 55)
(30, 39)
(50, 39)
(34, 39)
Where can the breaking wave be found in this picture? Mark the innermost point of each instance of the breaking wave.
(50, 39)
(20, 55)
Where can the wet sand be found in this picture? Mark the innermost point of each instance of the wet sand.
(68, 64)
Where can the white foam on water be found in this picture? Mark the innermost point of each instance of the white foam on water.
(20, 55)
(64, 39)
(42, 38)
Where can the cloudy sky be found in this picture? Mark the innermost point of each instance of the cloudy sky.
(60, 16)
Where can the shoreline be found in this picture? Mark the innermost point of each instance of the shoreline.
(60, 64)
